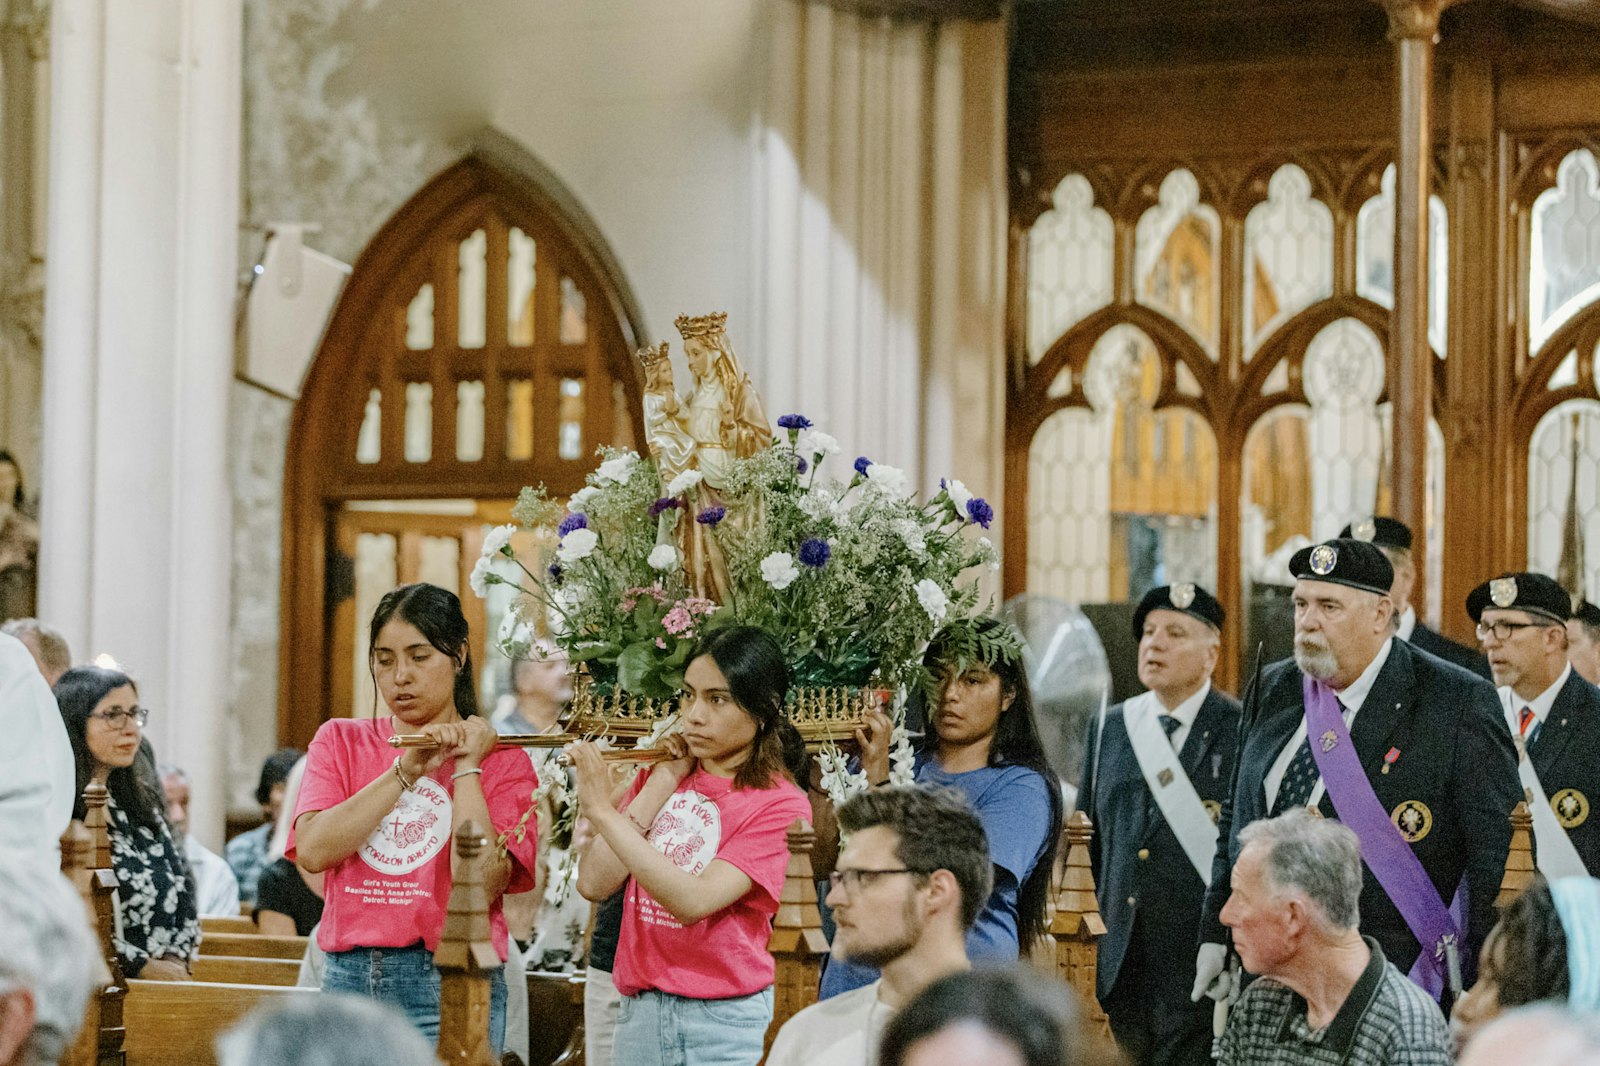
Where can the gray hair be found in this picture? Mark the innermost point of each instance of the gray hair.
(52, 645)
(1312, 855)
(49, 952)
(325, 1029)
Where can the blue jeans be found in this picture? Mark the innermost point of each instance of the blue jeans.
(406, 978)
(660, 1029)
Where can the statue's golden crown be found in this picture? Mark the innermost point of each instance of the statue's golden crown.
(650, 355)
(702, 325)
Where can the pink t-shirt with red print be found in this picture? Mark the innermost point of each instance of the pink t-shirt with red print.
(725, 954)
(395, 889)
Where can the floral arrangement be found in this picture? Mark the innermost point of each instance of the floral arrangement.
(853, 577)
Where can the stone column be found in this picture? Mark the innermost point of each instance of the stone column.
(143, 222)
(1414, 27)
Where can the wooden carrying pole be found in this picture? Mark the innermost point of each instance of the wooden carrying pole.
(797, 943)
(1077, 926)
(86, 860)
(465, 958)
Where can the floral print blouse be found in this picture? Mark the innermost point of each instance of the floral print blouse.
(159, 915)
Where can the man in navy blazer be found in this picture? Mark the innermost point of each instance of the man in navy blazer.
(1393, 538)
(1149, 889)
(1430, 738)
(1522, 621)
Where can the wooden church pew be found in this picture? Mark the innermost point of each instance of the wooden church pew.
(176, 1023)
(217, 923)
(242, 970)
(254, 945)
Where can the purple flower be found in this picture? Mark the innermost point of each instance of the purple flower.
(801, 464)
(555, 573)
(814, 553)
(794, 422)
(862, 462)
(979, 511)
(712, 515)
(665, 503)
(571, 522)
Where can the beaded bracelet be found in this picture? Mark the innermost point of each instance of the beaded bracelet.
(464, 773)
(400, 776)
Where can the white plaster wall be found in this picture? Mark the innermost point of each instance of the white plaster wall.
(646, 109)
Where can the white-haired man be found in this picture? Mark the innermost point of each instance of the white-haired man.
(48, 961)
(1326, 993)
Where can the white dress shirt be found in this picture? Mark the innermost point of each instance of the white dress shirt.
(1540, 704)
(1351, 698)
(1185, 712)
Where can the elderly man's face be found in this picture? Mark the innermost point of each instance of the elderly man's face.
(1264, 928)
(1583, 652)
(1337, 629)
(1177, 652)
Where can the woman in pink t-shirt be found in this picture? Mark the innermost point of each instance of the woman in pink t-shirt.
(701, 843)
(380, 826)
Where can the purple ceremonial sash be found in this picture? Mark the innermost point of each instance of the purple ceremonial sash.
(1383, 849)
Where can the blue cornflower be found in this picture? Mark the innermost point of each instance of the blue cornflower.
(862, 462)
(711, 515)
(665, 503)
(979, 511)
(795, 422)
(801, 464)
(571, 522)
(815, 552)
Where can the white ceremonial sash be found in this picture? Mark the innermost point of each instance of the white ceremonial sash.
(1554, 855)
(1173, 791)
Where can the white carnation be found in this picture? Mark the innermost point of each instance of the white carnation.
(779, 570)
(816, 444)
(663, 557)
(581, 498)
(483, 576)
(960, 495)
(618, 470)
(888, 481)
(932, 598)
(684, 482)
(579, 544)
(497, 539)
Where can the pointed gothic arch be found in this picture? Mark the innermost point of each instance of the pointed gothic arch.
(484, 342)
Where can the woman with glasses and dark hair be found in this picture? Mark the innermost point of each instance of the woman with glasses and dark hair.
(701, 844)
(380, 826)
(981, 740)
(160, 923)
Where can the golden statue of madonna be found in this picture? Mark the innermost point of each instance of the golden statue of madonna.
(719, 421)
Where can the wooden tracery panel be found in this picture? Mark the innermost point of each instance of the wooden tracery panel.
(483, 343)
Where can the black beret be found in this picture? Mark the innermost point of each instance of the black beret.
(1187, 598)
(1384, 532)
(1344, 561)
(1587, 613)
(1533, 593)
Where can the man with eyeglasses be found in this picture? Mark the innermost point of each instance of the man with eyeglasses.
(1552, 712)
(909, 882)
(1407, 750)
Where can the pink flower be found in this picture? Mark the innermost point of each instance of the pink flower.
(661, 644)
(678, 621)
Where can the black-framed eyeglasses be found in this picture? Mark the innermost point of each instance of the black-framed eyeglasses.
(1503, 630)
(850, 880)
(117, 718)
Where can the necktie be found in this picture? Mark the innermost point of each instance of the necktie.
(1525, 720)
(1170, 726)
(1299, 779)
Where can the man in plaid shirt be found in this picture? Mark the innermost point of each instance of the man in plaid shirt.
(1326, 994)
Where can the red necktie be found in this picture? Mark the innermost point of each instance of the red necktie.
(1525, 720)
